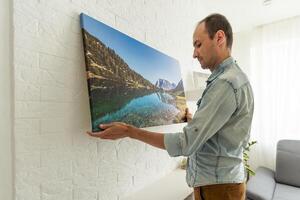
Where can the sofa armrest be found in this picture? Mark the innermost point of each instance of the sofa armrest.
(262, 185)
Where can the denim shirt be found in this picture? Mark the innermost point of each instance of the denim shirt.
(215, 138)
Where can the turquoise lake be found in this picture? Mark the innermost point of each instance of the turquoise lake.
(151, 110)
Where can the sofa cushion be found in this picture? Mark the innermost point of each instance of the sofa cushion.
(288, 162)
(262, 185)
(286, 192)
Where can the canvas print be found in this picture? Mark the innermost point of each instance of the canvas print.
(129, 81)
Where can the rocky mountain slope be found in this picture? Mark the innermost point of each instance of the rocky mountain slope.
(107, 70)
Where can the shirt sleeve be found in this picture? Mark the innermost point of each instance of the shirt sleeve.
(217, 106)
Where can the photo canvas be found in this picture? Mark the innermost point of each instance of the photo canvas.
(129, 81)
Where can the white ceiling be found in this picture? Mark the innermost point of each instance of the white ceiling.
(245, 14)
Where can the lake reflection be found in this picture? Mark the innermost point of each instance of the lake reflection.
(150, 110)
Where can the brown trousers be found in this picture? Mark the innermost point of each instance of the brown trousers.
(231, 191)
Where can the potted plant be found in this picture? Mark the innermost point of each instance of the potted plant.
(249, 171)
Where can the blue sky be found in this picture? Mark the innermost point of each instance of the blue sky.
(148, 62)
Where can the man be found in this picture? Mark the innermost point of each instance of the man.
(216, 136)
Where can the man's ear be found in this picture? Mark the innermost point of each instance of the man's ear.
(220, 37)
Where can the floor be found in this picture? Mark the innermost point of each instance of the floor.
(190, 197)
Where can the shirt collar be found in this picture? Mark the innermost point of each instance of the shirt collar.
(220, 69)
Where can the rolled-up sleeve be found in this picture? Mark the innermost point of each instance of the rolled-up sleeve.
(173, 144)
(217, 106)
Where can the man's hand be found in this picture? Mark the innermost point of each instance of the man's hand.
(118, 130)
(187, 116)
(112, 131)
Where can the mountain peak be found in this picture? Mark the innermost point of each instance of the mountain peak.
(165, 84)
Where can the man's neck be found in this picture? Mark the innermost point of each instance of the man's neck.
(220, 59)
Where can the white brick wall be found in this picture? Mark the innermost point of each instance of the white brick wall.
(54, 158)
(6, 101)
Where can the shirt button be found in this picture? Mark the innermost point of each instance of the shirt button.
(196, 130)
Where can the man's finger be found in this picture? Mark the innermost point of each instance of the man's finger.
(95, 134)
(187, 111)
(107, 134)
(105, 126)
(91, 133)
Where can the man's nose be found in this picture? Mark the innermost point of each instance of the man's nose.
(195, 54)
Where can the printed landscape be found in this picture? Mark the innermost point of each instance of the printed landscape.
(129, 81)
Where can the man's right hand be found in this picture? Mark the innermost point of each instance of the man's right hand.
(187, 116)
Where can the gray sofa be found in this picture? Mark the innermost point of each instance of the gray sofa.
(284, 183)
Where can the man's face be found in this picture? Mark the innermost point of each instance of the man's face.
(204, 47)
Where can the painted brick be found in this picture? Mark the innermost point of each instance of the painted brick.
(52, 125)
(82, 143)
(74, 26)
(129, 151)
(64, 7)
(26, 58)
(58, 64)
(25, 24)
(108, 195)
(27, 144)
(108, 167)
(105, 183)
(27, 127)
(125, 182)
(55, 158)
(60, 34)
(83, 3)
(54, 109)
(126, 27)
(89, 171)
(28, 75)
(43, 143)
(27, 92)
(30, 8)
(28, 193)
(43, 109)
(56, 173)
(60, 142)
(27, 42)
(67, 78)
(107, 151)
(102, 14)
(27, 109)
(30, 160)
(85, 194)
(49, 93)
(81, 162)
(57, 190)
(29, 177)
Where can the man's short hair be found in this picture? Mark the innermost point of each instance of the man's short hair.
(215, 22)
